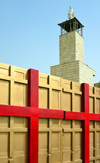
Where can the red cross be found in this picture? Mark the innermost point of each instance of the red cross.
(33, 112)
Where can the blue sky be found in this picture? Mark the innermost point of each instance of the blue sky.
(29, 34)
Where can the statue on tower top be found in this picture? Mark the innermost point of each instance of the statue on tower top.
(71, 13)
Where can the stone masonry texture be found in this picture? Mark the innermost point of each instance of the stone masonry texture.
(72, 66)
(71, 47)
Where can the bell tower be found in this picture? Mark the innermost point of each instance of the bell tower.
(71, 39)
(71, 52)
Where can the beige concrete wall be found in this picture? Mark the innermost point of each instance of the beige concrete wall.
(13, 130)
(97, 85)
(59, 140)
(71, 47)
(55, 136)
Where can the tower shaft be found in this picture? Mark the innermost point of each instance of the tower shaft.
(71, 53)
(71, 47)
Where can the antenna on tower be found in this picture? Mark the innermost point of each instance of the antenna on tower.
(71, 13)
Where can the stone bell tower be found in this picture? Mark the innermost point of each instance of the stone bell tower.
(71, 52)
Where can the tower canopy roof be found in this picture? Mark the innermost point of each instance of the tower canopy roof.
(72, 22)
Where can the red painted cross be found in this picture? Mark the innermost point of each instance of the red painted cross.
(33, 112)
